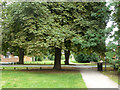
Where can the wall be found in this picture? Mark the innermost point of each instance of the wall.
(14, 59)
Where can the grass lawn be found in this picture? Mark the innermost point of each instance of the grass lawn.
(113, 75)
(75, 62)
(42, 79)
(43, 62)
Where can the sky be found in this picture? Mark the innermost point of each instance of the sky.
(109, 24)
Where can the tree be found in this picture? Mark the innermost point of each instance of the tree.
(85, 58)
(117, 20)
(84, 23)
(116, 35)
(60, 25)
(21, 22)
(94, 32)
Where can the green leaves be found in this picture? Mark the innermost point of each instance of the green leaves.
(21, 23)
(38, 26)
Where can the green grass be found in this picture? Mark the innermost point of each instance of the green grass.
(75, 62)
(43, 62)
(42, 79)
(25, 68)
(113, 75)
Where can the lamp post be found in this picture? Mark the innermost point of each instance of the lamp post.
(105, 63)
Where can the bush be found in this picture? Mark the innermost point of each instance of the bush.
(85, 58)
(115, 64)
(82, 58)
(63, 57)
(38, 58)
(51, 57)
(94, 57)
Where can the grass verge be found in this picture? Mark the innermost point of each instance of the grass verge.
(42, 79)
(113, 75)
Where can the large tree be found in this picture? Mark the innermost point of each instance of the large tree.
(21, 22)
(68, 26)
(78, 26)
(87, 22)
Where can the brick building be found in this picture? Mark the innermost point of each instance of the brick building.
(11, 58)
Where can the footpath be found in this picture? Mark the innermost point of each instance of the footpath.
(95, 79)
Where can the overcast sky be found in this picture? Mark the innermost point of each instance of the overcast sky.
(115, 29)
(109, 24)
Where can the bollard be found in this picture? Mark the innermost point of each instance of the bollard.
(27, 68)
(100, 66)
(14, 68)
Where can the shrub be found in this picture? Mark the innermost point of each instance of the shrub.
(82, 58)
(38, 58)
(63, 57)
(51, 57)
(85, 58)
(94, 57)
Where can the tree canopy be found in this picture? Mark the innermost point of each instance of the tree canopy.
(33, 27)
(22, 22)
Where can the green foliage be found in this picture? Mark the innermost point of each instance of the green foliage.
(51, 57)
(82, 58)
(85, 58)
(22, 22)
(38, 58)
(81, 23)
(112, 54)
(113, 47)
(37, 27)
(63, 57)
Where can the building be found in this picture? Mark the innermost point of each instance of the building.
(11, 58)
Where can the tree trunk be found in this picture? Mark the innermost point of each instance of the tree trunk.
(21, 56)
(57, 61)
(119, 44)
(67, 54)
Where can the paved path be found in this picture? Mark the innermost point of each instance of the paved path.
(76, 66)
(95, 79)
(46, 66)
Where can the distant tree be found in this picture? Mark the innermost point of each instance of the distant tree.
(85, 58)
